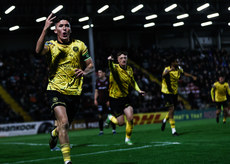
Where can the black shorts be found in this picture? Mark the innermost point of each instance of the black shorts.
(71, 102)
(170, 100)
(118, 105)
(102, 108)
(223, 103)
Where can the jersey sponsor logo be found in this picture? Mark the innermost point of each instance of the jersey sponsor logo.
(75, 49)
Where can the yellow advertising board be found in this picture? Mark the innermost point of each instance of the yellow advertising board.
(148, 118)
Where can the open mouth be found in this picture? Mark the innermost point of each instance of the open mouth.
(64, 34)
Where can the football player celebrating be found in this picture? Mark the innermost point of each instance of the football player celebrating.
(170, 78)
(65, 58)
(120, 81)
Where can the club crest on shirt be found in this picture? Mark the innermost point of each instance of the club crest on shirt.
(55, 99)
(75, 49)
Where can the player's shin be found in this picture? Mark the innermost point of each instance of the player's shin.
(166, 118)
(129, 129)
(172, 123)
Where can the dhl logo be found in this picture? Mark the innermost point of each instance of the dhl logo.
(148, 118)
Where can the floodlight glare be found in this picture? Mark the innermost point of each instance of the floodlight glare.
(178, 24)
(57, 9)
(212, 15)
(149, 24)
(173, 6)
(41, 19)
(11, 8)
(103, 9)
(13, 28)
(203, 7)
(118, 17)
(87, 26)
(52, 28)
(206, 23)
(83, 19)
(182, 16)
(151, 17)
(135, 9)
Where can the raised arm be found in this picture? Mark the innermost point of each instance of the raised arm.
(189, 75)
(110, 61)
(40, 48)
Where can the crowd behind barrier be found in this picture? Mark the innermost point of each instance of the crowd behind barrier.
(24, 75)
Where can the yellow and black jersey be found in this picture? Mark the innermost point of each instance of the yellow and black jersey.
(219, 91)
(170, 81)
(63, 59)
(120, 81)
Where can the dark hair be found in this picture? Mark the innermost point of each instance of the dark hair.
(101, 69)
(62, 17)
(221, 74)
(122, 52)
(172, 59)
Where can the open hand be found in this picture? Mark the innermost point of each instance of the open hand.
(49, 21)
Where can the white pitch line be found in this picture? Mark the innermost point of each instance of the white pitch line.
(23, 143)
(94, 153)
(165, 143)
(86, 154)
(37, 144)
(92, 145)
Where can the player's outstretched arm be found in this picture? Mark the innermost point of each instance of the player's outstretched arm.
(189, 75)
(40, 48)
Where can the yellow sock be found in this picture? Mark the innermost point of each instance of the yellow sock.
(65, 149)
(129, 129)
(172, 122)
(114, 120)
(54, 132)
(224, 119)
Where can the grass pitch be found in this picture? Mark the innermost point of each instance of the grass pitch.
(202, 141)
